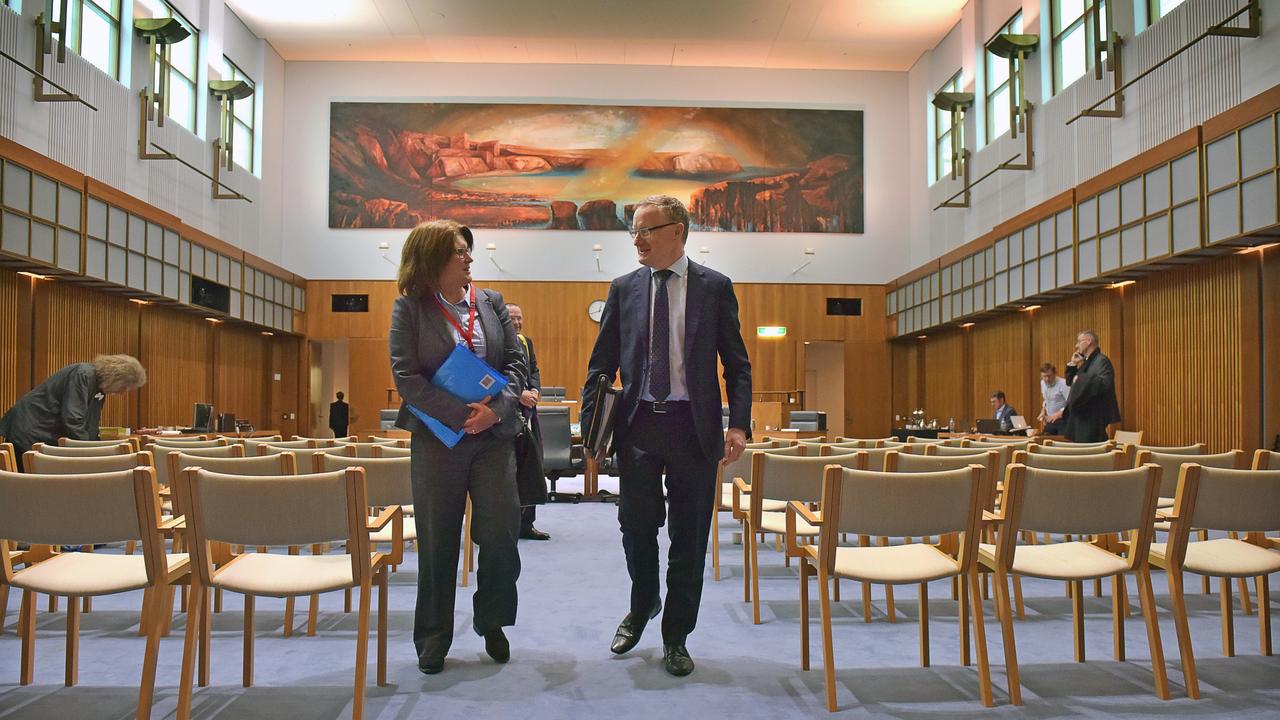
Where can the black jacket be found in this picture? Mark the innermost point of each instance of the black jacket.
(1091, 404)
(67, 404)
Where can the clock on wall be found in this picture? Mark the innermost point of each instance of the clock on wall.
(595, 310)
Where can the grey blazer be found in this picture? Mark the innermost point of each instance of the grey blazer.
(420, 342)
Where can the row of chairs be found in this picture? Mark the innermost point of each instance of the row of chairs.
(787, 473)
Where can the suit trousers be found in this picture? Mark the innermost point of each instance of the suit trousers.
(656, 444)
(485, 468)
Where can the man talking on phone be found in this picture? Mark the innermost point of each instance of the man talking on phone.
(1091, 404)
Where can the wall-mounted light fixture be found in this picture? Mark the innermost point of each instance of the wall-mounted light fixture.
(967, 325)
(492, 248)
(1029, 308)
(213, 320)
(1122, 283)
(956, 103)
(33, 276)
(161, 34)
(809, 253)
(1015, 47)
(597, 248)
(227, 92)
(139, 301)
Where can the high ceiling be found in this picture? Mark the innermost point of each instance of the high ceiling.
(816, 34)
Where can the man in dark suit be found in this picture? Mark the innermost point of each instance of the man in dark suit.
(1003, 411)
(530, 480)
(1091, 404)
(339, 412)
(663, 328)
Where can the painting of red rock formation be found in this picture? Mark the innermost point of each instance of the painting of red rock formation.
(584, 167)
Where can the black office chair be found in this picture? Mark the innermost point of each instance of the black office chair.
(550, 393)
(807, 420)
(560, 457)
(724, 417)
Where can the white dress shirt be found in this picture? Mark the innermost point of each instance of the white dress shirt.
(1055, 395)
(462, 313)
(677, 289)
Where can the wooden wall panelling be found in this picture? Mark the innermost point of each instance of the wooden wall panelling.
(74, 324)
(241, 361)
(906, 377)
(1189, 332)
(370, 376)
(1001, 361)
(945, 388)
(175, 350)
(285, 350)
(1271, 347)
(1053, 338)
(11, 291)
(868, 367)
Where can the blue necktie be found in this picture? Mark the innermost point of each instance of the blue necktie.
(660, 342)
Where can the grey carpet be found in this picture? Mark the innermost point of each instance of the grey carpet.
(573, 593)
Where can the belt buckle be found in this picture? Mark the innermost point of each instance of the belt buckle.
(660, 408)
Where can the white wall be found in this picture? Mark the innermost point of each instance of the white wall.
(314, 250)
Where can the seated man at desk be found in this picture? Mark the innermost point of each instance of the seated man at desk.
(1003, 411)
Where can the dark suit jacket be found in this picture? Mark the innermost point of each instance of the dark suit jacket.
(1091, 404)
(67, 404)
(1005, 416)
(420, 342)
(339, 412)
(710, 330)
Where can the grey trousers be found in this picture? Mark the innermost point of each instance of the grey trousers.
(485, 468)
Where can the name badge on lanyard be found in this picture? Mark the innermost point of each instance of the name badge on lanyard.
(468, 335)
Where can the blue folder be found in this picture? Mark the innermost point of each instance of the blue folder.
(466, 377)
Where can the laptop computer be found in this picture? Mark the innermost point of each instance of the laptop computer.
(989, 426)
(1019, 423)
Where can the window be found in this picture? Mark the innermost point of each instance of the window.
(997, 84)
(942, 132)
(183, 58)
(1073, 40)
(93, 31)
(242, 137)
(1157, 9)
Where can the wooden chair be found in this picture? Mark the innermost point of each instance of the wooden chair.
(729, 500)
(778, 479)
(1067, 443)
(325, 442)
(100, 508)
(121, 448)
(161, 453)
(1077, 504)
(1237, 501)
(1127, 437)
(251, 445)
(895, 505)
(44, 464)
(304, 454)
(196, 442)
(391, 451)
(262, 511)
(396, 442)
(859, 444)
(356, 449)
(1093, 462)
(1171, 467)
(72, 442)
(294, 444)
(237, 440)
(1266, 460)
(1192, 449)
(1066, 450)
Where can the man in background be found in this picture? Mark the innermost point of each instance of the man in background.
(339, 414)
(1053, 391)
(1091, 404)
(530, 480)
(1002, 410)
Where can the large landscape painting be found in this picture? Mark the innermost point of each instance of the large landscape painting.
(583, 167)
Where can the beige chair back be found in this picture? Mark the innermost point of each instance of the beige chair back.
(388, 479)
(900, 504)
(793, 477)
(8, 457)
(875, 456)
(954, 451)
(859, 443)
(1014, 443)
(294, 444)
(741, 468)
(72, 442)
(184, 442)
(236, 440)
(360, 450)
(160, 453)
(391, 451)
(955, 443)
(1171, 465)
(1097, 462)
(1085, 503)
(1192, 449)
(251, 445)
(77, 509)
(303, 455)
(1128, 437)
(1061, 450)
(397, 442)
(989, 460)
(43, 464)
(259, 465)
(325, 442)
(121, 448)
(1230, 499)
(1266, 460)
(1067, 443)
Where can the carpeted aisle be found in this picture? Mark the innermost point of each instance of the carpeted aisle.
(573, 593)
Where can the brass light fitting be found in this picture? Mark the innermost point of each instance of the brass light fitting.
(161, 34)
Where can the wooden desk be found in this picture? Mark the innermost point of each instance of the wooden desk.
(793, 434)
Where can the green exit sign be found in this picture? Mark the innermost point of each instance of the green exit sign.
(771, 330)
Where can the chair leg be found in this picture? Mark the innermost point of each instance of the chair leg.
(199, 601)
(130, 546)
(217, 600)
(1148, 597)
(4, 605)
(828, 652)
(865, 541)
(206, 638)
(1077, 617)
(1180, 624)
(1017, 597)
(755, 581)
(288, 604)
(53, 604)
(924, 624)
(167, 595)
(247, 660)
(362, 648)
(28, 669)
(73, 642)
(313, 611)
(1006, 633)
(962, 615)
(747, 538)
(980, 636)
(1228, 622)
(346, 601)
(1246, 606)
(1117, 617)
(466, 544)
(1264, 615)
(835, 589)
(715, 540)
(382, 628)
(153, 618)
(804, 614)
(888, 589)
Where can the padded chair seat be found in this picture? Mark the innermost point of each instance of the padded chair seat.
(894, 564)
(1164, 502)
(274, 575)
(79, 573)
(1225, 557)
(1061, 561)
(384, 535)
(726, 502)
(776, 522)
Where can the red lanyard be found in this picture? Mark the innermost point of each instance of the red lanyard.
(469, 333)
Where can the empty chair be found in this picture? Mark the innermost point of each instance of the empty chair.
(388, 484)
(1077, 504)
(356, 449)
(43, 464)
(397, 442)
(303, 454)
(117, 449)
(1068, 443)
(160, 454)
(1128, 437)
(72, 442)
(391, 451)
(551, 394)
(896, 505)
(198, 441)
(1099, 462)
(558, 450)
(99, 508)
(737, 502)
(859, 443)
(1192, 449)
(1171, 466)
(1237, 501)
(1266, 460)
(264, 511)
(1066, 450)
(251, 445)
(320, 442)
(235, 440)
(807, 420)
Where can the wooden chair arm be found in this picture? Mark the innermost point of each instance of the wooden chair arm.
(992, 517)
(393, 514)
(384, 517)
(741, 485)
(1166, 514)
(174, 523)
(798, 508)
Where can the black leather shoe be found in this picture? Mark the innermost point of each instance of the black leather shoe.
(676, 660)
(630, 629)
(431, 666)
(497, 646)
(533, 533)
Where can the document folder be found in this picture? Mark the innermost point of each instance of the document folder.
(469, 379)
(599, 433)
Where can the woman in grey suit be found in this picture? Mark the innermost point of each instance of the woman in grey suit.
(438, 309)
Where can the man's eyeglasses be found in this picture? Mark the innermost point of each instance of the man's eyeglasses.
(647, 232)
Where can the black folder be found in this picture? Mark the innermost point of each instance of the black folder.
(599, 434)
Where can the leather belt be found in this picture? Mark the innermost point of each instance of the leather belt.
(662, 408)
